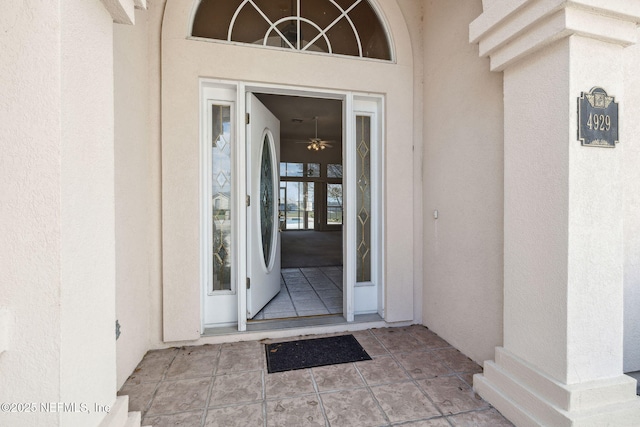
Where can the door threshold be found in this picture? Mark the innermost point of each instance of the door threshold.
(295, 322)
(300, 325)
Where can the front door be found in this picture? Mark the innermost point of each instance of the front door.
(263, 226)
(240, 244)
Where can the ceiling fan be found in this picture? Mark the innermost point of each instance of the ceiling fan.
(317, 144)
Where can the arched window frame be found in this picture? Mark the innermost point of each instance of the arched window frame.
(305, 49)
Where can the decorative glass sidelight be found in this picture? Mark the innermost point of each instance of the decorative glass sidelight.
(340, 27)
(267, 201)
(363, 206)
(221, 198)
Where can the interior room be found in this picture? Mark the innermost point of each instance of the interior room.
(310, 207)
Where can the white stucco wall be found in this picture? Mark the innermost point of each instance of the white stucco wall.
(563, 234)
(133, 162)
(87, 249)
(29, 207)
(413, 12)
(463, 181)
(631, 161)
(57, 210)
(154, 14)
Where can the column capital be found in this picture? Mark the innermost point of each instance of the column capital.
(509, 30)
(122, 11)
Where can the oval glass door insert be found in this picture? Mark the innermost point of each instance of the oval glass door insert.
(267, 202)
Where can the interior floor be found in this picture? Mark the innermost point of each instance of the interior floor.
(311, 280)
(309, 248)
(307, 291)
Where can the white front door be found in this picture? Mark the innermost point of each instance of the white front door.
(240, 244)
(263, 227)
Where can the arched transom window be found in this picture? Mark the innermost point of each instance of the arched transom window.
(341, 27)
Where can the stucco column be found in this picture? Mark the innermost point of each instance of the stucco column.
(57, 238)
(561, 360)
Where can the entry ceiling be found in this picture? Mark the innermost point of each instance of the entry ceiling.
(296, 117)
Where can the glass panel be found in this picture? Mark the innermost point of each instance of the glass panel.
(345, 4)
(308, 33)
(292, 169)
(267, 201)
(213, 18)
(292, 206)
(342, 38)
(372, 34)
(334, 170)
(309, 205)
(334, 204)
(277, 9)
(299, 205)
(323, 13)
(221, 197)
(313, 170)
(289, 30)
(282, 207)
(363, 203)
(249, 27)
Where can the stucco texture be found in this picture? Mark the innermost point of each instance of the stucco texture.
(57, 209)
(133, 192)
(463, 181)
(631, 212)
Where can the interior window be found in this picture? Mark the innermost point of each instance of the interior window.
(291, 169)
(334, 170)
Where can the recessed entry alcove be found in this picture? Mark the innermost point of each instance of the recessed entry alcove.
(271, 199)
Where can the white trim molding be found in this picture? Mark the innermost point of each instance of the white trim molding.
(546, 402)
(119, 417)
(510, 30)
(123, 11)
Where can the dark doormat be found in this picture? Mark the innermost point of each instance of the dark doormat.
(291, 355)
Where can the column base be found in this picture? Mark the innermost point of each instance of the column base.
(119, 417)
(527, 397)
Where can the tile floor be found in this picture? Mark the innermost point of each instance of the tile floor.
(306, 292)
(415, 379)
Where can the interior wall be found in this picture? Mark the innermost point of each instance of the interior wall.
(630, 111)
(463, 182)
(133, 157)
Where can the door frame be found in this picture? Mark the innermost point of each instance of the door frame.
(353, 103)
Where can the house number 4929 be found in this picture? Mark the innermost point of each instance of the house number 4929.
(597, 119)
(599, 122)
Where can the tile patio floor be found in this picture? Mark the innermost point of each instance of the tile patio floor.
(415, 379)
